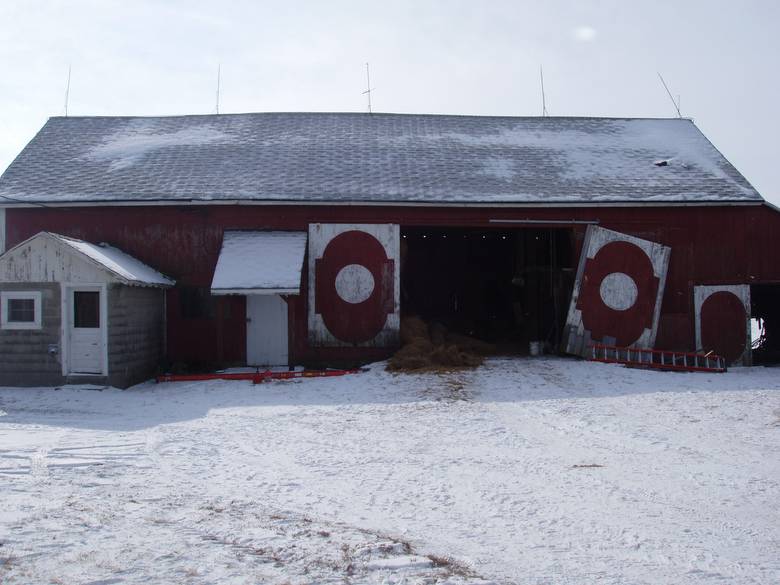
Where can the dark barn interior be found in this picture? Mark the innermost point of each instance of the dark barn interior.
(503, 286)
(765, 307)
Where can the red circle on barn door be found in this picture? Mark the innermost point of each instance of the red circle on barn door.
(623, 314)
(354, 286)
(723, 322)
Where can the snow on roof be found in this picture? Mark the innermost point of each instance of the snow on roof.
(260, 262)
(125, 267)
(141, 141)
(372, 158)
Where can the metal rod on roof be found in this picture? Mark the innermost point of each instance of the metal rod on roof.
(368, 88)
(219, 74)
(544, 102)
(67, 92)
(671, 97)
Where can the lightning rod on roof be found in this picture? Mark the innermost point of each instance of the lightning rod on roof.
(369, 89)
(676, 103)
(67, 92)
(544, 102)
(219, 73)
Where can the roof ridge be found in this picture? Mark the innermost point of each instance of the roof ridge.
(365, 114)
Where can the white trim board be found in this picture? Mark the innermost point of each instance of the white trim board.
(8, 295)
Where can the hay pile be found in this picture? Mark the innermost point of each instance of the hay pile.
(425, 346)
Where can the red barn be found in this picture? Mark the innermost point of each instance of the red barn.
(303, 238)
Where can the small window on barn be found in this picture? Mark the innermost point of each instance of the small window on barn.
(196, 303)
(20, 310)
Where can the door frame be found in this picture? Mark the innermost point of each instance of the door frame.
(66, 318)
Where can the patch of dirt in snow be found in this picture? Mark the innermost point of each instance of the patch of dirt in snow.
(447, 387)
(181, 539)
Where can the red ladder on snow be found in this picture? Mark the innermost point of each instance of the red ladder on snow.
(658, 359)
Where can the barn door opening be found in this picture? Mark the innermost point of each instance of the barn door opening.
(617, 293)
(85, 329)
(507, 287)
(266, 330)
(765, 323)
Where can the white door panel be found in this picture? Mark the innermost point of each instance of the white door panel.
(266, 330)
(85, 351)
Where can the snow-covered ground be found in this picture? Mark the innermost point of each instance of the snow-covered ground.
(524, 471)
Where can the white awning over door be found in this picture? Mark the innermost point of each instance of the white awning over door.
(259, 262)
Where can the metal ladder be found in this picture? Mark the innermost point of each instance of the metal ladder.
(658, 359)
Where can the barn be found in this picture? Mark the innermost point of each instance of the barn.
(304, 238)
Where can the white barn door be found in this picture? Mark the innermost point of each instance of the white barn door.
(266, 330)
(85, 331)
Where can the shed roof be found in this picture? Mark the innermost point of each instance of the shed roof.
(119, 265)
(129, 269)
(258, 262)
(371, 158)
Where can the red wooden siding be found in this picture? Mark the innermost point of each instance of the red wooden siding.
(710, 245)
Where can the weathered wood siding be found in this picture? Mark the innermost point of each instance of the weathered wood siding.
(135, 333)
(24, 353)
(42, 260)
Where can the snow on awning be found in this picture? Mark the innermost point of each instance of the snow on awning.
(259, 263)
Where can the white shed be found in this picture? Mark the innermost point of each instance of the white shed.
(73, 310)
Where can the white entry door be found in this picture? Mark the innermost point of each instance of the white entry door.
(266, 330)
(85, 331)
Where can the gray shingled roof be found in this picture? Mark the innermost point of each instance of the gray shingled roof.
(372, 158)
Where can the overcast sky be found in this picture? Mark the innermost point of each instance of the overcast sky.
(599, 58)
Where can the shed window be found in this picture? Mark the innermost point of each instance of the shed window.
(20, 309)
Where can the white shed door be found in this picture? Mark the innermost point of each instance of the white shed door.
(85, 325)
(266, 330)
